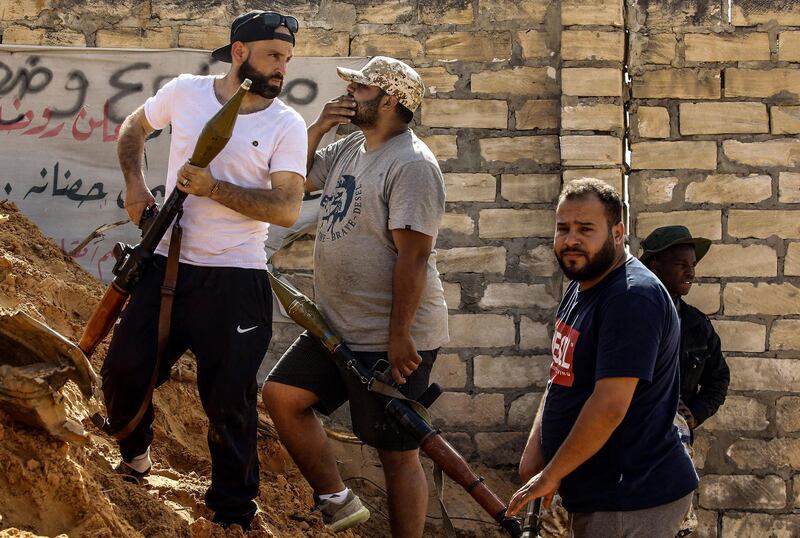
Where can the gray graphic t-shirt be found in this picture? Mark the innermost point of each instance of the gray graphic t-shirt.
(366, 195)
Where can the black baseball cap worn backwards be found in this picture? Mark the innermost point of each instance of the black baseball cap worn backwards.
(256, 26)
(667, 236)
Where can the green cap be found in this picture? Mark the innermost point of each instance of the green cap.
(668, 236)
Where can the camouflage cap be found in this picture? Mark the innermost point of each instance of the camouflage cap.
(392, 76)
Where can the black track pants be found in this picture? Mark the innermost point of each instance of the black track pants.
(224, 316)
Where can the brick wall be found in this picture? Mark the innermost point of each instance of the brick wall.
(523, 95)
(491, 114)
(714, 146)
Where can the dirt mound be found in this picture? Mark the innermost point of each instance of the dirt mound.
(50, 488)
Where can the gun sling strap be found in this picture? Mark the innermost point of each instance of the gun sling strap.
(164, 318)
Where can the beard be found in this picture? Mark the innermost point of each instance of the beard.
(595, 265)
(367, 113)
(261, 83)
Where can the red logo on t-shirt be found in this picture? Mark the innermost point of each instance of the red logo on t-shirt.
(564, 340)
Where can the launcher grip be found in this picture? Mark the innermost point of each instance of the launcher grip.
(148, 214)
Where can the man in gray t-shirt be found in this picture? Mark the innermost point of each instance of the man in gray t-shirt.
(375, 281)
(368, 195)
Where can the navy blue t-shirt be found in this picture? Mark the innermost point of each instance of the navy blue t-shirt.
(624, 326)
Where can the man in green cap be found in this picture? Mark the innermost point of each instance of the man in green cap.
(671, 253)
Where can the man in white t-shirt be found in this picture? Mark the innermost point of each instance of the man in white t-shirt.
(222, 307)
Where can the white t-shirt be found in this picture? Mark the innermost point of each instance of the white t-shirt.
(263, 142)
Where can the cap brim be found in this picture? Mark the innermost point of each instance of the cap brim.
(222, 54)
(701, 246)
(351, 75)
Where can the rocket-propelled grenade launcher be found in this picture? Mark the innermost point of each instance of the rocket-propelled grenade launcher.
(133, 261)
(410, 415)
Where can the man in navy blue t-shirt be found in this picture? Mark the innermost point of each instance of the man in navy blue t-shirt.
(604, 437)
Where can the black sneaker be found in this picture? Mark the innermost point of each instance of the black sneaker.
(129, 474)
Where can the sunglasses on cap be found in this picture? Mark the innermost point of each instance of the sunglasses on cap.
(273, 19)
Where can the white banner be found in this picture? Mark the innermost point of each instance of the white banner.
(60, 111)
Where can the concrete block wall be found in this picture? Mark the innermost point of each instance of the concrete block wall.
(525, 95)
(491, 114)
(593, 119)
(715, 89)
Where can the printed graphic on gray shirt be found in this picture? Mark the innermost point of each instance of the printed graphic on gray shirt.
(340, 210)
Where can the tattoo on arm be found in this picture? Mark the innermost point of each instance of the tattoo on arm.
(130, 146)
(279, 205)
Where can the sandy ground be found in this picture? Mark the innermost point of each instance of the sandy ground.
(52, 488)
(49, 488)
